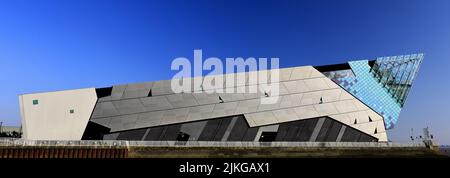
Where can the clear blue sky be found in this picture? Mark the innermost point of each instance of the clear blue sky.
(56, 45)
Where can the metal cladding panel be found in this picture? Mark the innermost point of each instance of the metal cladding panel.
(149, 119)
(137, 90)
(181, 100)
(261, 118)
(301, 72)
(129, 106)
(311, 98)
(162, 87)
(272, 106)
(156, 103)
(175, 116)
(296, 86)
(104, 109)
(102, 121)
(326, 109)
(306, 95)
(291, 100)
(124, 122)
(285, 74)
(206, 98)
(117, 92)
(331, 95)
(229, 97)
(316, 84)
(200, 112)
(285, 115)
(247, 106)
(305, 112)
(224, 109)
(345, 106)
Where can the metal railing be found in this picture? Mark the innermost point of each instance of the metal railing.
(120, 143)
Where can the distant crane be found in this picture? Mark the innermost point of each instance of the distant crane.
(426, 137)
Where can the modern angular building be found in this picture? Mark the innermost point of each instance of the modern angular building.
(349, 102)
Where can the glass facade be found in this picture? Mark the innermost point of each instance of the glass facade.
(397, 73)
(384, 86)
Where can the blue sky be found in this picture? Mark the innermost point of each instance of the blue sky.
(57, 45)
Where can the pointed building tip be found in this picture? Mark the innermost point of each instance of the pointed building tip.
(396, 74)
(382, 84)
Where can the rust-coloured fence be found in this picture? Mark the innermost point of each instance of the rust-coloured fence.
(62, 152)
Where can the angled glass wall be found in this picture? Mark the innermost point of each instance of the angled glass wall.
(383, 84)
(397, 73)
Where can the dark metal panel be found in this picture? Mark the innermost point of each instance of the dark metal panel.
(221, 128)
(94, 131)
(132, 134)
(350, 135)
(209, 131)
(171, 132)
(333, 132)
(307, 129)
(239, 130)
(324, 130)
(194, 129)
(366, 138)
(250, 134)
(292, 131)
(229, 128)
(282, 130)
(155, 133)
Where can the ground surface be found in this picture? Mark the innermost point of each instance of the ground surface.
(279, 152)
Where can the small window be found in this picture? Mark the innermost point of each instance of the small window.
(71, 111)
(182, 137)
(268, 136)
(35, 102)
